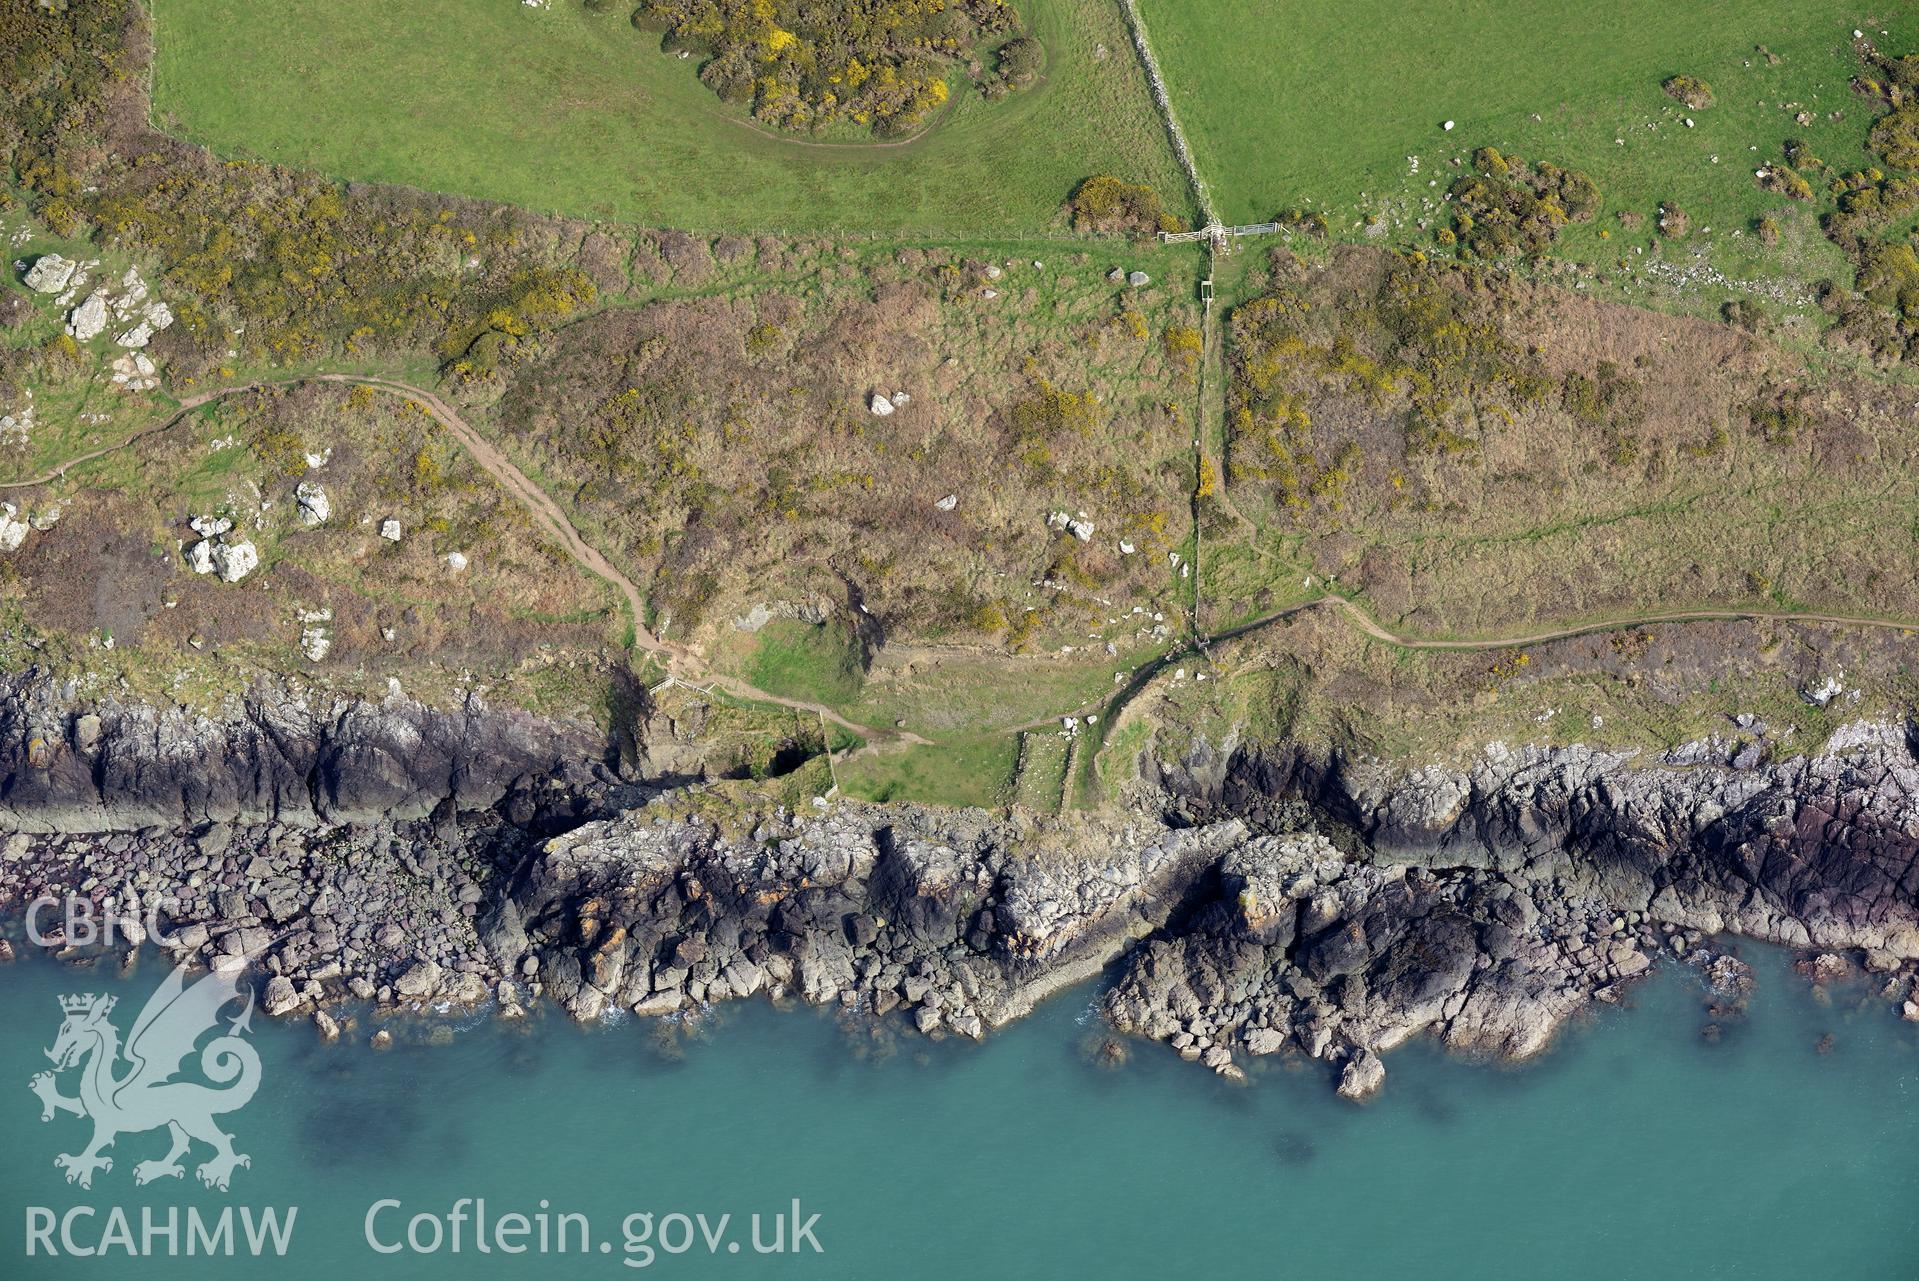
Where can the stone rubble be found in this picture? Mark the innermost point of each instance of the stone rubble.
(16, 428)
(128, 305)
(231, 561)
(134, 371)
(316, 638)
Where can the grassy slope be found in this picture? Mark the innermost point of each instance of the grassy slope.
(469, 104)
(1299, 103)
(567, 110)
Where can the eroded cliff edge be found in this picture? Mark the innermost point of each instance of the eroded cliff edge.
(1249, 902)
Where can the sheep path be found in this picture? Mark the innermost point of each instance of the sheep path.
(683, 664)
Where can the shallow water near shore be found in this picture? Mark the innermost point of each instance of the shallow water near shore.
(1634, 1149)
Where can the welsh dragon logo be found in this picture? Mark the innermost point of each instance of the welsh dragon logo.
(131, 1088)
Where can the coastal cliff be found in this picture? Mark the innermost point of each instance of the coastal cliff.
(278, 754)
(1250, 902)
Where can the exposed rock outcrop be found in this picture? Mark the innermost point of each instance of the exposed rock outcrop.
(89, 318)
(283, 754)
(50, 273)
(1816, 850)
(964, 919)
(315, 507)
(1286, 903)
(1488, 903)
(1306, 951)
(13, 529)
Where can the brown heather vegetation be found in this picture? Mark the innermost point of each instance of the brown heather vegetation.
(724, 448)
(1314, 681)
(1471, 451)
(1462, 450)
(1505, 206)
(716, 442)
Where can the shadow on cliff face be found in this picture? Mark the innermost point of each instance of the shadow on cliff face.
(290, 754)
(1805, 850)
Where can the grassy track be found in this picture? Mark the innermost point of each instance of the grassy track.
(1304, 103)
(563, 109)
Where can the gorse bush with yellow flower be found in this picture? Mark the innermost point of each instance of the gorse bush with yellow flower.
(883, 65)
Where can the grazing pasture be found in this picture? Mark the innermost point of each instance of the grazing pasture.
(1302, 104)
(570, 110)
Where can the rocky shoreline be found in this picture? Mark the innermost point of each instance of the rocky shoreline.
(1251, 903)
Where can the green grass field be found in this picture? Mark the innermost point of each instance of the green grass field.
(1299, 103)
(566, 110)
(801, 660)
(975, 770)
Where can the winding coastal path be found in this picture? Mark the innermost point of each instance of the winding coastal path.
(686, 666)
(1366, 623)
(683, 664)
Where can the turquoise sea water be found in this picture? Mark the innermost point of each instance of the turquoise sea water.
(1635, 1149)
